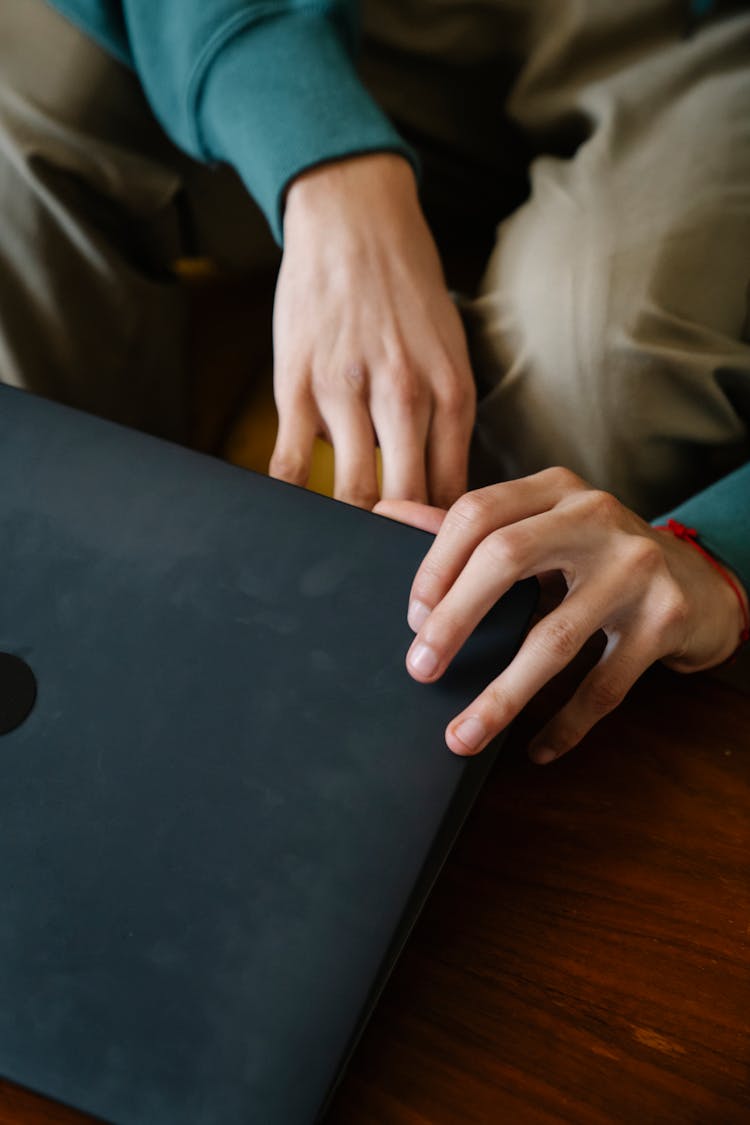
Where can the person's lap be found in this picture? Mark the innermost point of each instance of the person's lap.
(611, 329)
(98, 206)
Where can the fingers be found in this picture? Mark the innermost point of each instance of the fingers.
(298, 427)
(533, 545)
(500, 560)
(353, 440)
(453, 414)
(423, 517)
(478, 514)
(416, 515)
(424, 444)
(441, 632)
(621, 664)
(619, 577)
(402, 424)
(448, 445)
(549, 647)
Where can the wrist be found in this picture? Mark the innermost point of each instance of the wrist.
(742, 606)
(372, 178)
(729, 603)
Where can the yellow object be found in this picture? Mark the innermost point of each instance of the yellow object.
(251, 441)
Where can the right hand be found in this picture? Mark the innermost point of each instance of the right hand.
(652, 595)
(369, 347)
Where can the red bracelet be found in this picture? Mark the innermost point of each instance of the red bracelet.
(690, 535)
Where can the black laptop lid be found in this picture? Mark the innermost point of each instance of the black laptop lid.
(214, 818)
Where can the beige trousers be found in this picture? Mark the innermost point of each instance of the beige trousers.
(611, 329)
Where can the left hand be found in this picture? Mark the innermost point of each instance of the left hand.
(369, 348)
(654, 596)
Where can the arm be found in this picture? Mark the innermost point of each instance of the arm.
(369, 348)
(268, 86)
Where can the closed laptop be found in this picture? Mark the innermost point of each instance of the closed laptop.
(227, 804)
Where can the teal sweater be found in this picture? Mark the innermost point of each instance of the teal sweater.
(269, 86)
(265, 85)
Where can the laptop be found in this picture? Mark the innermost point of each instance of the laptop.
(223, 801)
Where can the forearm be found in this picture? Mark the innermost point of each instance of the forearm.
(270, 88)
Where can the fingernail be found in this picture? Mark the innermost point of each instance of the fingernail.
(423, 659)
(417, 615)
(543, 755)
(471, 732)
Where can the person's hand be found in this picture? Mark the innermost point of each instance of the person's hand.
(654, 596)
(368, 345)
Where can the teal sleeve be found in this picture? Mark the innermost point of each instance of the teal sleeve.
(283, 97)
(268, 86)
(721, 516)
(102, 20)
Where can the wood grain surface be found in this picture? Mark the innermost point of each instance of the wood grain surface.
(585, 955)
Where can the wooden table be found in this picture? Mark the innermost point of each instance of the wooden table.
(585, 955)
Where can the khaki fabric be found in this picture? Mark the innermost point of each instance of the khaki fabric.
(97, 205)
(610, 330)
(611, 333)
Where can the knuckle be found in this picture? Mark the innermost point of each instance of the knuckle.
(283, 466)
(645, 555)
(355, 375)
(500, 704)
(428, 582)
(602, 506)
(559, 637)
(673, 612)
(472, 508)
(335, 382)
(407, 392)
(443, 630)
(564, 479)
(456, 398)
(323, 383)
(501, 550)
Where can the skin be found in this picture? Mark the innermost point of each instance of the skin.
(392, 370)
(654, 596)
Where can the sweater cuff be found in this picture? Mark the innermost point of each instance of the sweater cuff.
(721, 516)
(282, 96)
